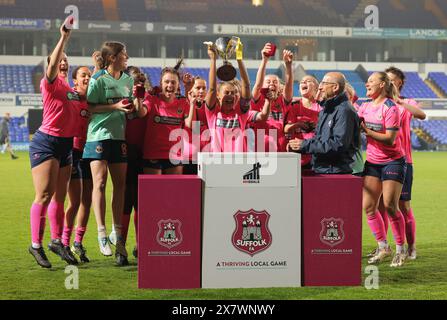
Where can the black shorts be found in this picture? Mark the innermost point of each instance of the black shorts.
(81, 167)
(190, 168)
(408, 184)
(44, 147)
(393, 170)
(160, 164)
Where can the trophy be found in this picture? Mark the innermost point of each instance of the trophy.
(226, 47)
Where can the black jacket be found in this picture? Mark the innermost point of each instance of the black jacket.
(336, 134)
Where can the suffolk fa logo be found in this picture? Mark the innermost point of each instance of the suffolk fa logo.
(169, 233)
(332, 232)
(253, 175)
(252, 234)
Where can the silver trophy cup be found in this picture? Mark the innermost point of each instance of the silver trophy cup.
(226, 47)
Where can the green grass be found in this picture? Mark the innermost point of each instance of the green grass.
(21, 278)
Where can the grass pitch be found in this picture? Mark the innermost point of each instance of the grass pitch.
(21, 278)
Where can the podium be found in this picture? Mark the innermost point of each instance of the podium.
(332, 230)
(251, 220)
(169, 230)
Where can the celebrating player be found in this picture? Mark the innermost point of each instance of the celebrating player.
(408, 108)
(274, 126)
(51, 153)
(385, 165)
(80, 186)
(110, 97)
(135, 129)
(194, 142)
(228, 112)
(166, 112)
(303, 115)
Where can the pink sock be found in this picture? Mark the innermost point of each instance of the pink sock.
(410, 227)
(125, 219)
(66, 235)
(37, 221)
(56, 215)
(385, 219)
(80, 232)
(398, 228)
(377, 227)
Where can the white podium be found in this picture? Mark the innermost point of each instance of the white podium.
(251, 220)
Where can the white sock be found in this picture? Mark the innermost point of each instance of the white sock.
(36, 245)
(383, 244)
(399, 249)
(102, 233)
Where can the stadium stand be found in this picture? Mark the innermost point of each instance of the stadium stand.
(16, 79)
(436, 129)
(439, 79)
(415, 87)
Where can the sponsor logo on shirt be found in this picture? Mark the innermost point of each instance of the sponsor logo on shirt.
(73, 96)
(228, 124)
(378, 127)
(277, 116)
(168, 120)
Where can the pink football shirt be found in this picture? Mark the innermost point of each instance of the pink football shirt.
(275, 121)
(63, 109)
(195, 140)
(299, 113)
(162, 119)
(227, 130)
(381, 118)
(405, 132)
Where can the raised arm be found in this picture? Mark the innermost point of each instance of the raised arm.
(417, 112)
(265, 112)
(211, 96)
(192, 111)
(57, 53)
(245, 81)
(256, 92)
(288, 89)
(97, 59)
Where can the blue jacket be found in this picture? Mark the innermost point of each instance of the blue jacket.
(336, 137)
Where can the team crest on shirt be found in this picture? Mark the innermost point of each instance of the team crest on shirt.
(252, 234)
(332, 232)
(179, 110)
(379, 117)
(84, 113)
(169, 233)
(99, 149)
(124, 149)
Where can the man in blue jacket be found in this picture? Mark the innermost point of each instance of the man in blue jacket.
(333, 145)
